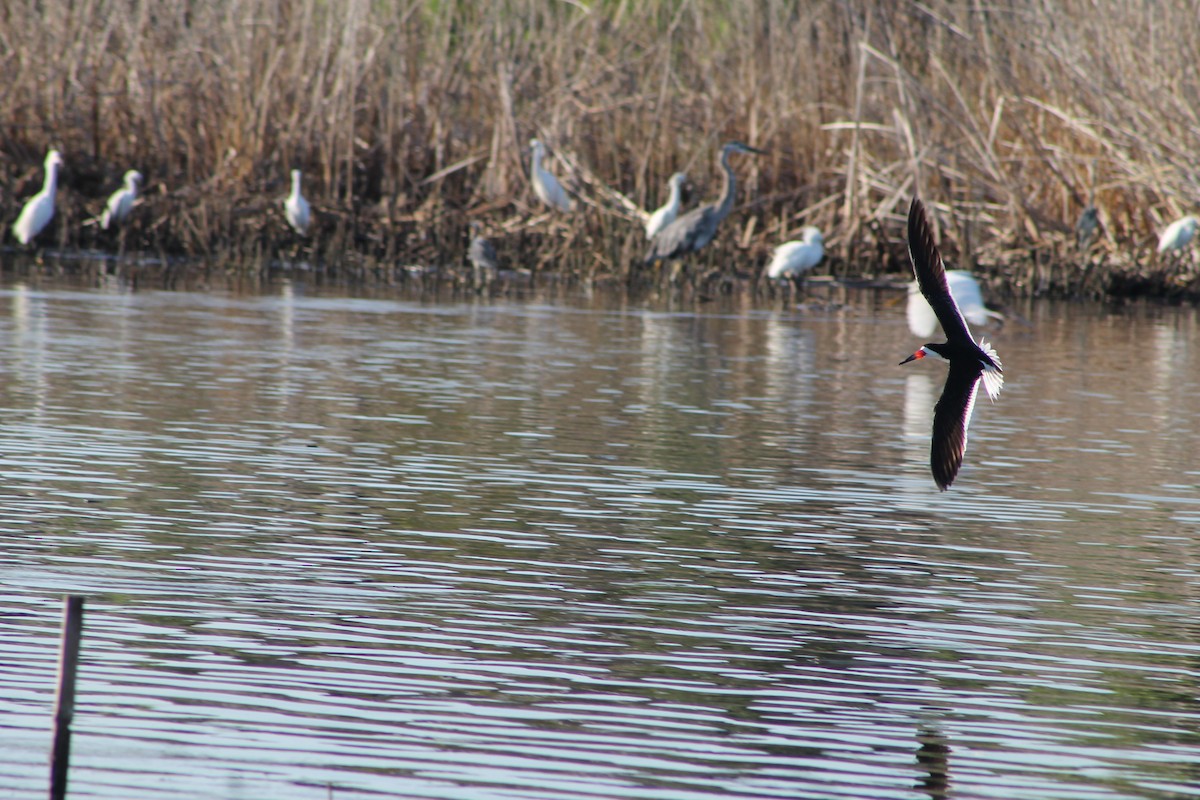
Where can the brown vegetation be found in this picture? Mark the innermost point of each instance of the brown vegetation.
(410, 118)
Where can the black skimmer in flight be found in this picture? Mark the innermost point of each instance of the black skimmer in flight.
(970, 363)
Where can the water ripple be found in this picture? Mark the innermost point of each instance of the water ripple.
(513, 550)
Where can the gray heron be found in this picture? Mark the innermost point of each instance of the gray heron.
(481, 254)
(695, 229)
(1085, 227)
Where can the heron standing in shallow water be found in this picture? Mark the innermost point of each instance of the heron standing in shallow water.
(121, 202)
(295, 208)
(665, 215)
(545, 185)
(482, 256)
(39, 210)
(695, 229)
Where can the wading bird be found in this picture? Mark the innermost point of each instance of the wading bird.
(545, 185)
(1177, 235)
(970, 363)
(1085, 227)
(39, 210)
(121, 202)
(295, 208)
(695, 229)
(482, 256)
(667, 214)
(798, 256)
(965, 291)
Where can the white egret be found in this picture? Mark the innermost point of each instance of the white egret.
(965, 291)
(798, 256)
(121, 202)
(295, 208)
(545, 185)
(667, 213)
(1178, 234)
(39, 210)
(695, 229)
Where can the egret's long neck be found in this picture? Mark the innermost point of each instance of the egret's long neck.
(676, 194)
(730, 187)
(50, 186)
(131, 184)
(536, 161)
(295, 184)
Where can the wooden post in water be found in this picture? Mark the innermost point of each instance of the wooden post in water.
(64, 699)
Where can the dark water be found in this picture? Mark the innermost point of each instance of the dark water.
(506, 549)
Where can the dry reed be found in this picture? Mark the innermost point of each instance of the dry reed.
(409, 118)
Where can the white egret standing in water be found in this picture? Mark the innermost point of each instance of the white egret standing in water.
(695, 229)
(965, 291)
(121, 202)
(295, 208)
(39, 210)
(798, 256)
(545, 185)
(665, 215)
(1177, 235)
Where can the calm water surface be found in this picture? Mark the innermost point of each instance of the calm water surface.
(509, 549)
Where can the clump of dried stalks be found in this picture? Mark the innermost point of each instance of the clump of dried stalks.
(410, 118)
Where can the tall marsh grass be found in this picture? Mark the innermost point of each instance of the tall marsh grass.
(409, 118)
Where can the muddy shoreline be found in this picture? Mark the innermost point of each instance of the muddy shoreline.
(701, 280)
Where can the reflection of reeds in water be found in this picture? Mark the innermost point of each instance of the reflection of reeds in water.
(403, 116)
(790, 366)
(789, 372)
(661, 344)
(30, 342)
